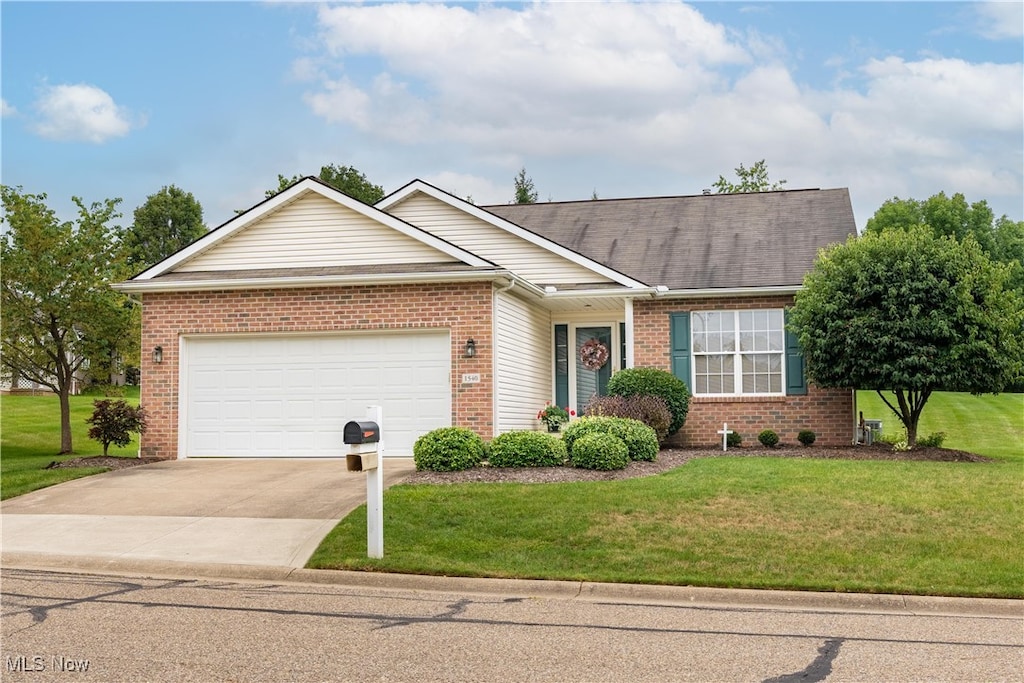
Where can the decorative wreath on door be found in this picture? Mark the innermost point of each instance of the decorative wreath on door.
(593, 354)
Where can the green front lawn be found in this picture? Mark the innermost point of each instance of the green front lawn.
(875, 526)
(30, 427)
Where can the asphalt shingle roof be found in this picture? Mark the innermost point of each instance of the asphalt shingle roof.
(697, 242)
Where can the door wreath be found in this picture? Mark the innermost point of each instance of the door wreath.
(593, 354)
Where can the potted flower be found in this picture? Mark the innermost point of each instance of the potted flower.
(554, 416)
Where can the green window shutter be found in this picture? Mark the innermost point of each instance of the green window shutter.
(679, 333)
(562, 365)
(796, 377)
(622, 345)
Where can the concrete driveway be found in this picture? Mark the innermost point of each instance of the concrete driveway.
(267, 512)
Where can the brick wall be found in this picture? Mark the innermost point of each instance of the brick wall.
(465, 309)
(828, 412)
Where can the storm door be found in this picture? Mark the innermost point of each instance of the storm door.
(595, 349)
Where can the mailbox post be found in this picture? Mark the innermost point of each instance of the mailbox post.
(366, 454)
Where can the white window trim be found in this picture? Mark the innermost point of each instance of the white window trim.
(737, 354)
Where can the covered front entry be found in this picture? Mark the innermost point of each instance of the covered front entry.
(586, 356)
(291, 395)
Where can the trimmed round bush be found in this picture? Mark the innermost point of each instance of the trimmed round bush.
(651, 410)
(806, 437)
(448, 449)
(654, 382)
(527, 449)
(599, 452)
(641, 441)
(734, 440)
(768, 438)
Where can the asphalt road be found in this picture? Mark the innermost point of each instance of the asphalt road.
(67, 626)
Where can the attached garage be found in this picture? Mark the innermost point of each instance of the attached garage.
(290, 395)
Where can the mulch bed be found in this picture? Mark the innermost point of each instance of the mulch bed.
(672, 458)
(109, 461)
(668, 459)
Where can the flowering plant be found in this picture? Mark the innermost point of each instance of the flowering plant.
(554, 416)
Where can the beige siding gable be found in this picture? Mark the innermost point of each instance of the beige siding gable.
(530, 261)
(313, 231)
(523, 362)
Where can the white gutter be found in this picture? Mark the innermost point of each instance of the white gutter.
(725, 291)
(143, 286)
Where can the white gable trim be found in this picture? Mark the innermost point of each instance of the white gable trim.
(291, 194)
(511, 228)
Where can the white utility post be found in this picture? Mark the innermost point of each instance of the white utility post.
(725, 432)
(375, 492)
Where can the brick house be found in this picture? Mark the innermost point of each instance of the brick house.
(266, 335)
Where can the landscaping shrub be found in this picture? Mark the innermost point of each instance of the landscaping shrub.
(654, 382)
(933, 440)
(599, 451)
(641, 441)
(734, 439)
(806, 437)
(448, 449)
(527, 449)
(768, 438)
(114, 422)
(649, 409)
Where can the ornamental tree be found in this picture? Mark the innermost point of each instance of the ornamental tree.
(114, 422)
(907, 313)
(57, 309)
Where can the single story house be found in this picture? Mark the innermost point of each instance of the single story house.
(268, 334)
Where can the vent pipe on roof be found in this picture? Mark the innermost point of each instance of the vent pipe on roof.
(706, 191)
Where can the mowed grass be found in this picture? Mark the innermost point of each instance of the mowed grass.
(30, 440)
(991, 425)
(806, 524)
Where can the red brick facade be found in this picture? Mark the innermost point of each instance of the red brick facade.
(465, 309)
(828, 412)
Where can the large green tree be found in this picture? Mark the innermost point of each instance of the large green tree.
(525, 192)
(345, 178)
(56, 307)
(166, 222)
(1002, 239)
(753, 179)
(907, 313)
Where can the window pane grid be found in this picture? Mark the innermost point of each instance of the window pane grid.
(753, 366)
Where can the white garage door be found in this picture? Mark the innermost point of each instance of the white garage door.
(290, 396)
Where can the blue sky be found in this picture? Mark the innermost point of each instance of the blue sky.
(888, 99)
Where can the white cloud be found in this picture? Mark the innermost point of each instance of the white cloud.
(657, 88)
(6, 109)
(82, 112)
(1000, 20)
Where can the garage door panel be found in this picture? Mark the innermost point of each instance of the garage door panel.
(291, 396)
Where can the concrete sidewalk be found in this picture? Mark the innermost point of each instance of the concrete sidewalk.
(259, 512)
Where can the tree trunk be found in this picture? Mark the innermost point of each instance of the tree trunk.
(65, 419)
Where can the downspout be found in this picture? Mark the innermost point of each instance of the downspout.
(630, 358)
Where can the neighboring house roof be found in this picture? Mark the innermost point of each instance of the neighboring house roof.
(763, 239)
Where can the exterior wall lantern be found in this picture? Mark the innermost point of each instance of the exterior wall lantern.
(158, 354)
(470, 349)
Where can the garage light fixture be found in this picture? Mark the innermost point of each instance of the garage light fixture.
(470, 348)
(158, 354)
